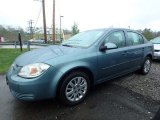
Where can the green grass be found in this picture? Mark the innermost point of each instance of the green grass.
(7, 56)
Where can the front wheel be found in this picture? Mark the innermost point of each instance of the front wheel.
(146, 66)
(74, 88)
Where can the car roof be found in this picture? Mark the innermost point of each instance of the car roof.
(109, 29)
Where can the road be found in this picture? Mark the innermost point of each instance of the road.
(24, 46)
(108, 101)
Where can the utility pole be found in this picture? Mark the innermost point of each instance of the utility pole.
(31, 28)
(53, 29)
(61, 29)
(44, 21)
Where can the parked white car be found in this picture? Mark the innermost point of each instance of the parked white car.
(156, 44)
(37, 40)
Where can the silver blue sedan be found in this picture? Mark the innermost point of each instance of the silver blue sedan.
(69, 71)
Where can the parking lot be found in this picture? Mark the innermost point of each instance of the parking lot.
(132, 97)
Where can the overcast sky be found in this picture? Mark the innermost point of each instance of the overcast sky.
(89, 14)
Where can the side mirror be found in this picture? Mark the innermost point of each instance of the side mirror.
(108, 46)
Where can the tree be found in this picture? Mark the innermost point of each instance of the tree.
(75, 29)
(11, 34)
(66, 32)
(148, 33)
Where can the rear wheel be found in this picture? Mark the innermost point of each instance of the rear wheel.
(146, 66)
(74, 88)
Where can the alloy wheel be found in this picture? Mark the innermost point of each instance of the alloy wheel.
(147, 66)
(76, 89)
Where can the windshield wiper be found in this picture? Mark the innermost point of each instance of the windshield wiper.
(67, 45)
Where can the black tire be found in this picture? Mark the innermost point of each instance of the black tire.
(77, 86)
(146, 66)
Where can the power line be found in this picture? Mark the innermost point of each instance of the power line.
(38, 17)
(44, 20)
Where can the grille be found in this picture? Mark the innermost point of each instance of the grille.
(15, 68)
(157, 50)
(23, 96)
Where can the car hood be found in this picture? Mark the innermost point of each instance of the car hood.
(44, 54)
(156, 46)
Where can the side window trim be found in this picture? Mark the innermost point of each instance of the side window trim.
(141, 38)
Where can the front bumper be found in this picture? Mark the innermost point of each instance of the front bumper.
(156, 55)
(27, 91)
(31, 89)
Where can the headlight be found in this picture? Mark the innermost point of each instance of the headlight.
(33, 70)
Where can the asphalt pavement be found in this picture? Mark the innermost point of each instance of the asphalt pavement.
(24, 46)
(108, 101)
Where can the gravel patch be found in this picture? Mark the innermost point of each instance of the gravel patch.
(146, 85)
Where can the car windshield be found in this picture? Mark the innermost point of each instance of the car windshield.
(156, 40)
(83, 39)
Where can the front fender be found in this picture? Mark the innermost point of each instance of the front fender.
(75, 65)
(65, 68)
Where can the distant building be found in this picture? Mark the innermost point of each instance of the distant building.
(39, 34)
(1, 39)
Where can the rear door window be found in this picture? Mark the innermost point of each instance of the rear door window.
(134, 38)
